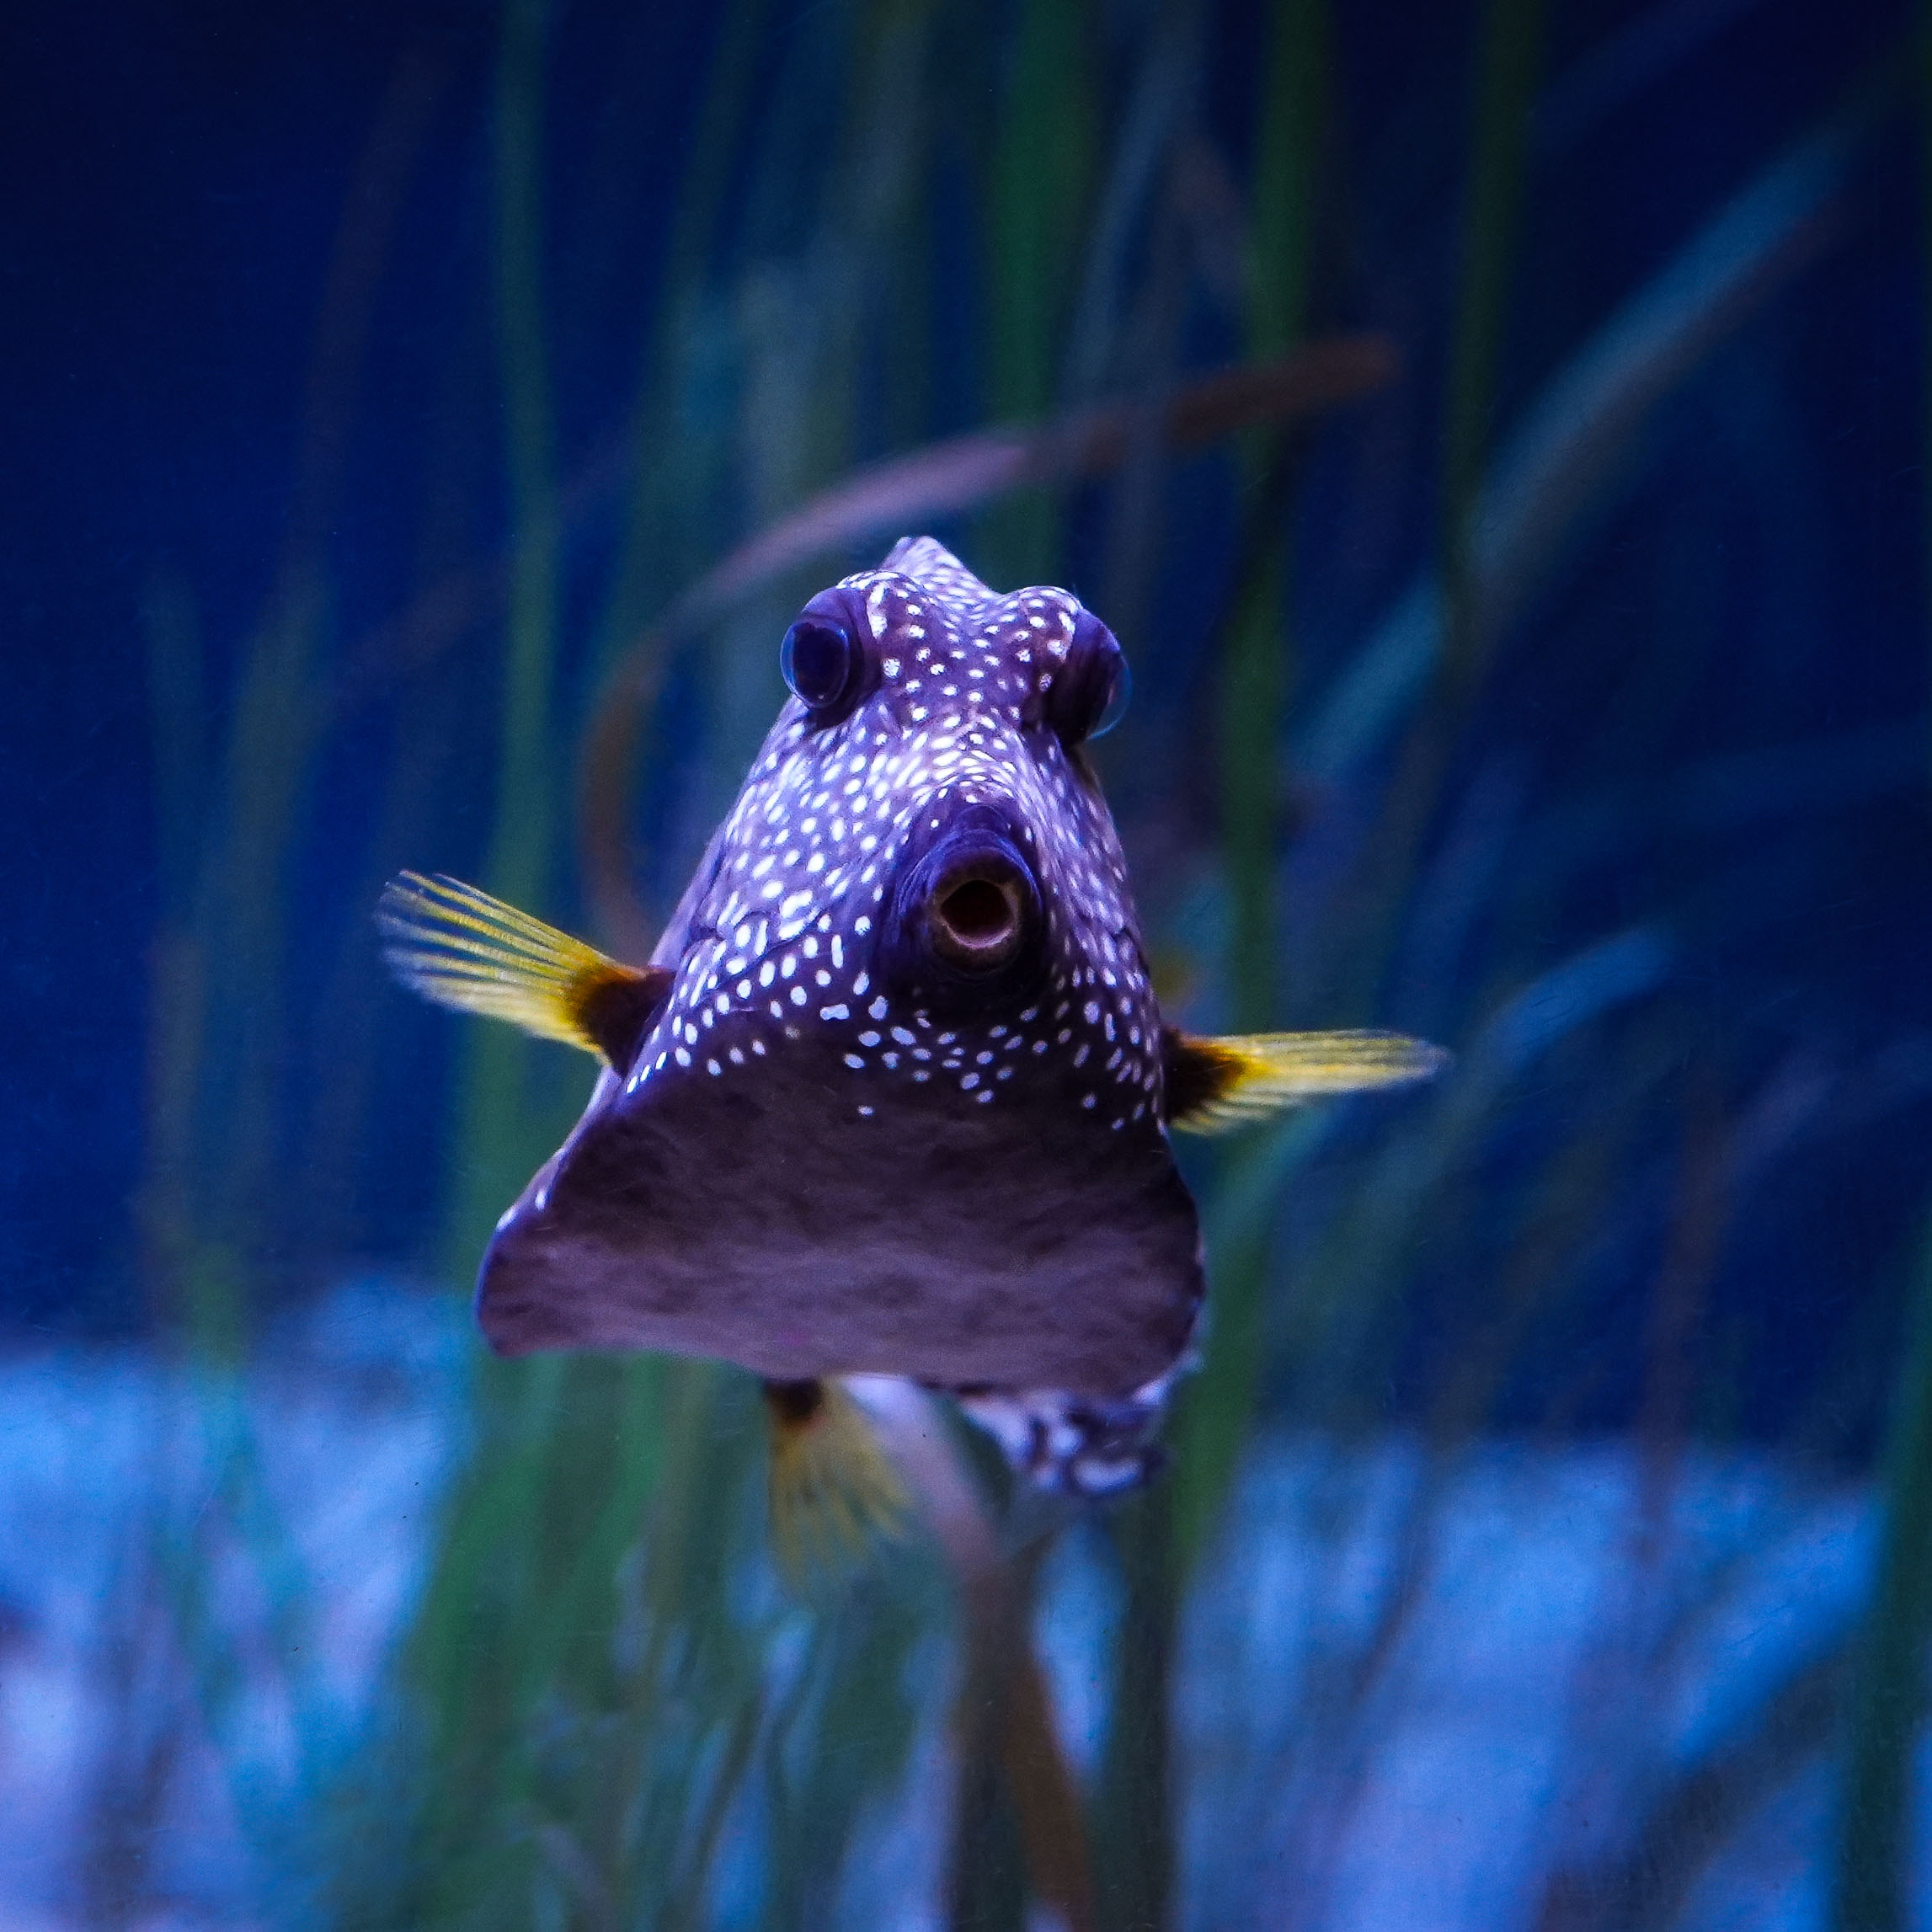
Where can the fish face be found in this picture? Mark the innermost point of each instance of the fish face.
(900, 1109)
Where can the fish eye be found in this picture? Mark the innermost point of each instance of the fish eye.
(819, 661)
(1089, 697)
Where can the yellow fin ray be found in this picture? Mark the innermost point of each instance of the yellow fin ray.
(832, 1489)
(1217, 1085)
(454, 944)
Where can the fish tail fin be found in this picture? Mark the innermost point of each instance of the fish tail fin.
(1214, 1085)
(456, 945)
(832, 1489)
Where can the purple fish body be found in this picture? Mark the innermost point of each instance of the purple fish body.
(900, 1107)
(893, 1095)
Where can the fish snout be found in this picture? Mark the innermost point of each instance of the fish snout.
(966, 908)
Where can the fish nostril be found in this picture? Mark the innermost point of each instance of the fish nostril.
(977, 921)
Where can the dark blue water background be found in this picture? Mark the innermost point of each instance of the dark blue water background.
(175, 177)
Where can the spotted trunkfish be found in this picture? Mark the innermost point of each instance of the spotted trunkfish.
(894, 1094)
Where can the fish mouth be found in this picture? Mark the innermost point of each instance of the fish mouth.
(964, 920)
(976, 916)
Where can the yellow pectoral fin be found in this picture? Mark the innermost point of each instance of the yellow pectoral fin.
(457, 946)
(833, 1490)
(1214, 1085)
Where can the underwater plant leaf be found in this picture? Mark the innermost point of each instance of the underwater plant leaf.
(1005, 1704)
(1691, 1818)
(945, 479)
(1216, 1084)
(1887, 1693)
(454, 944)
(1570, 446)
(965, 472)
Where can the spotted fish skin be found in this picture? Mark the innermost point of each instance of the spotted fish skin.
(828, 1154)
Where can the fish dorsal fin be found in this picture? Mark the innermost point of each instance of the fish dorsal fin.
(832, 1489)
(1216, 1085)
(456, 945)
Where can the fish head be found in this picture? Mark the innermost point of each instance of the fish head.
(925, 797)
(899, 1111)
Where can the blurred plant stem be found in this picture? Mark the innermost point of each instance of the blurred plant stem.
(1017, 1832)
(679, 455)
(1506, 68)
(1255, 676)
(661, 537)
(177, 1011)
(229, 810)
(1509, 57)
(1888, 1692)
(1887, 1696)
(1136, 1854)
(1038, 180)
(1017, 1822)
(493, 1146)
(947, 478)
(1922, 66)
(1217, 1405)
(1161, 1534)
(1690, 1818)
(1256, 684)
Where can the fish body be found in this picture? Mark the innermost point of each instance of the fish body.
(894, 1094)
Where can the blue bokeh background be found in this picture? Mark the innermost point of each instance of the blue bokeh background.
(177, 175)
